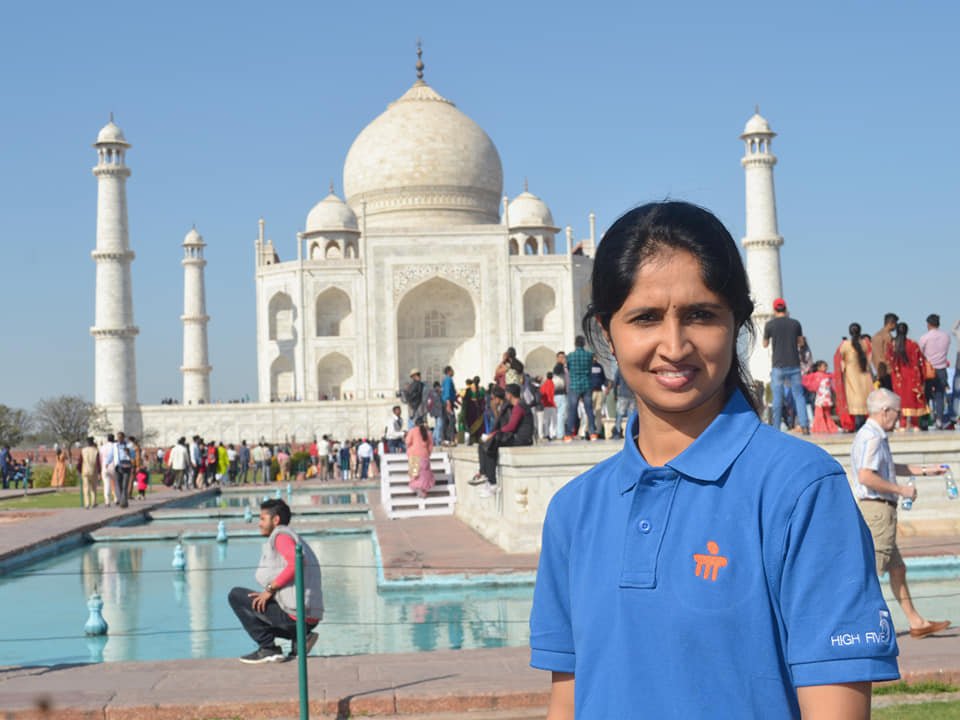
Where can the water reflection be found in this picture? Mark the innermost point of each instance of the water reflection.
(113, 571)
(157, 613)
(294, 500)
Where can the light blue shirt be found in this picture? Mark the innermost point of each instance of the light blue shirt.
(871, 451)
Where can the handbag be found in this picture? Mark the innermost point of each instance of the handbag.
(929, 372)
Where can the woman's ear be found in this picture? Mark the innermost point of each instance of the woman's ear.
(606, 337)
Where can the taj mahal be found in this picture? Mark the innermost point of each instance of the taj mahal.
(422, 263)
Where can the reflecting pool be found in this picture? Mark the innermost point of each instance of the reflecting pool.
(155, 613)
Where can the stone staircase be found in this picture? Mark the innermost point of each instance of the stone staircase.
(399, 501)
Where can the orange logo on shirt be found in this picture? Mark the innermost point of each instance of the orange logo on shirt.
(708, 565)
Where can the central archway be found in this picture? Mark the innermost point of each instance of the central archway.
(436, 327)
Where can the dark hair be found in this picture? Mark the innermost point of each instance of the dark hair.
(642, 233)
(277, 508)
(447, 369)
(549, 375)
(900, 343)
(580, 340)
(422, 425)
(855, 331)
(513, 389)
(890, 318)
(497, 392)
(933, 319)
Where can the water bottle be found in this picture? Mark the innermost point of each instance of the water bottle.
(907, 503)
(948, 480)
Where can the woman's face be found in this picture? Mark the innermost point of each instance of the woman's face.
(674, 338)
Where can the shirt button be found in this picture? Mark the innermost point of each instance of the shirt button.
(644, 526)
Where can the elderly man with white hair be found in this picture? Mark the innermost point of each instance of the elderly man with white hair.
(875, 485)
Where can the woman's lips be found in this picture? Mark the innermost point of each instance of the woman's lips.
(675, 379)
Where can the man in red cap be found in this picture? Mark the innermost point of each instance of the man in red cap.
(787, 337)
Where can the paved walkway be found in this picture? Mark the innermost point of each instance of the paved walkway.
(489, 684)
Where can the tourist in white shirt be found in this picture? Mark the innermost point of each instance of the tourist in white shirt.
(365, 455)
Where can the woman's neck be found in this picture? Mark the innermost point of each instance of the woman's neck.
(662, 435)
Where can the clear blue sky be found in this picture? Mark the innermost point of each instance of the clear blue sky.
(239, 110)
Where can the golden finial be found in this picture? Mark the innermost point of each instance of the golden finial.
(526, 188)
(419, 60)
(331, 187)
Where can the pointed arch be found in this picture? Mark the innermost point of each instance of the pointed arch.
(436, 326)
(514, 247)
(281, 379)
(281, 317)
(334, 376)
(540, 309)
(334, 313)
(540, 361)
(333, 251)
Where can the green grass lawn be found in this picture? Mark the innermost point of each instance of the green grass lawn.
(922, 711)
(68, 498)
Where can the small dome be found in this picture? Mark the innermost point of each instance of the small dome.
(111, 133)
(193, 238)
(527, 210)
(757, 125)
(331, 214)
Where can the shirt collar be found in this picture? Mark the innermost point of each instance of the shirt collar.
(876, 427)
(708, 457)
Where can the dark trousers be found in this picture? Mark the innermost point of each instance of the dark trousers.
(488, 454)
(123, 484)
(264, 627)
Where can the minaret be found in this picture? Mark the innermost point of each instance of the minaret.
(195, 369)
(762, 241)
(115, 386)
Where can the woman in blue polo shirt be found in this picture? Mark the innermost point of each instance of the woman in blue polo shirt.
(715, 567)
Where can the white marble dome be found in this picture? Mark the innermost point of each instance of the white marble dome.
(422, 163)
(757, 125)
(331, 215)
(193, 238)
(527, 210)
(111, 133)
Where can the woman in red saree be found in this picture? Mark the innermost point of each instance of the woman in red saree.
(905, 361)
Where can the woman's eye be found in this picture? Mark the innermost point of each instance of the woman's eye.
(643, 318)
(702, 315)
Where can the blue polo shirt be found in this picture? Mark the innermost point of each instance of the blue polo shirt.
(711, 587)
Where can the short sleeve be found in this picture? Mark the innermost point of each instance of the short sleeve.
(551, 631)
(766, 331)
(871, 454)
(836, 623)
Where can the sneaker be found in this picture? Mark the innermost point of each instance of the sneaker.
(494, 488)
(485, 491)
(311, 641)
(594, 436)
(477, 479)
(264, 655)
(805, 430)
(568, 438)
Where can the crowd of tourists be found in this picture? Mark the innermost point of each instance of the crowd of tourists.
(808, 395)
(119, 469)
